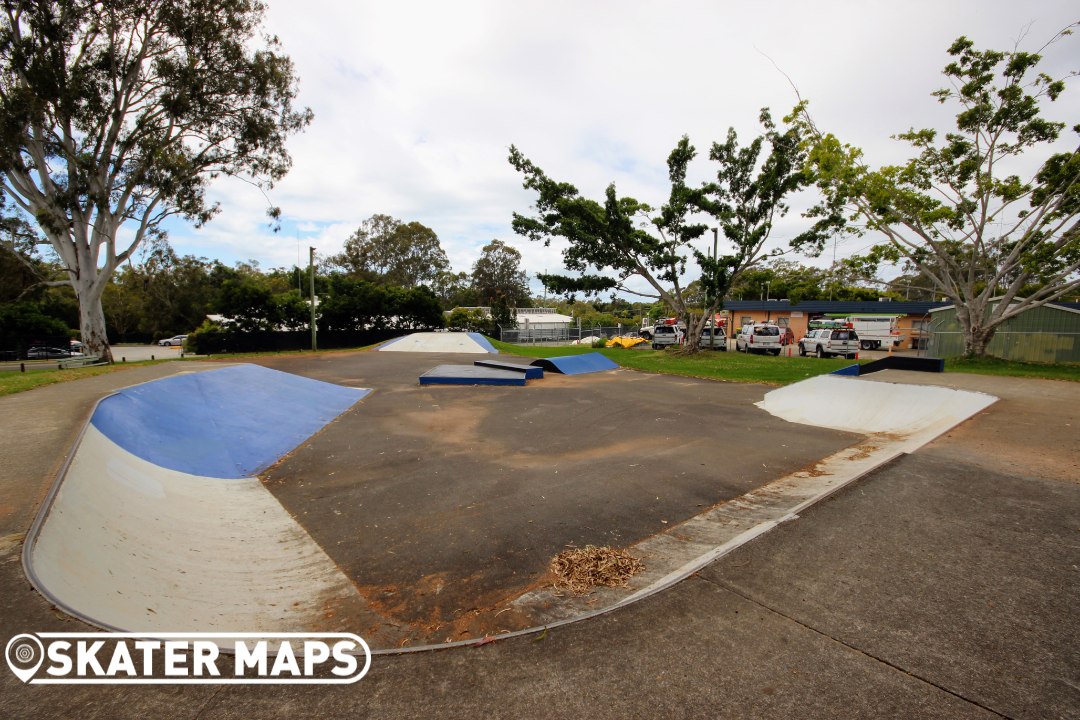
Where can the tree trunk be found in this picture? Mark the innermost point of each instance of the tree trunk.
(92, 321)
(691, 339)
(976, 340)
(971, 318)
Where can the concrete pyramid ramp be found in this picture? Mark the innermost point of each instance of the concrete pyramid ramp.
(158, 523)
(436, 342)
(914, 414)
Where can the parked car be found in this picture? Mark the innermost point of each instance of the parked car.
(758, 338)
(826, 342)
(174, 340)
(718, 341)
(665, 335)
(49, 353)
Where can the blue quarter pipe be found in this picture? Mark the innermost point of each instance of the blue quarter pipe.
(576, 364)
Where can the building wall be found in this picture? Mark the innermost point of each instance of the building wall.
(1044, 334)
(911, 326)
(797, 320)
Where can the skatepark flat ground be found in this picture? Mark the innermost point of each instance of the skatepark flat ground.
(943, 585)
(444, 504)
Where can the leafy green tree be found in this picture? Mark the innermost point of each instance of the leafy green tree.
(122, 111)
(248, 304)
(466, 320)
(963, 211)
(353, 304)
(385, 250)
(455, 290)
(22, 270)
(620, 238)
(617, 239)
(497, 276)
(415, 309)
(502, 315)
(23, 321)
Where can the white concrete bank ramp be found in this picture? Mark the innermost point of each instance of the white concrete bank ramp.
(158, 522)
(440, 342)
(912, 415)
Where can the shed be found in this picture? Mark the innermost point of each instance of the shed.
(1049, 334)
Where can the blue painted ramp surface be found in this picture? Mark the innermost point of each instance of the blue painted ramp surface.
(471, 375)
(483, 342)
(849, 370)
(576, 364)
(531, 372)
(227, 423)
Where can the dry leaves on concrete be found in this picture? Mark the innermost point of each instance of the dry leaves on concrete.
(581, 569)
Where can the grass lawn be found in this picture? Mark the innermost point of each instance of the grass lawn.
(739, 367)
(12, 382)
(995, 366)
(727, 366)
(731, 366)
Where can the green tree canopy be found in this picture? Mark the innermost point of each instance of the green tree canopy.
(621, 238)
(497, 276)
(385, 250)
(122, 111)
(965, 211)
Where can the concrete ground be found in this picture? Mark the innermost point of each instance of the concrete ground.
(943, 585)
(444, 504)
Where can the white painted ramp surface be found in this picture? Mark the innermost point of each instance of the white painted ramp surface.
(132, 545)
(436, 342)
(915, 414)
(158, 522)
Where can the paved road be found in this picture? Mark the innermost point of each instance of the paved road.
(945, 585)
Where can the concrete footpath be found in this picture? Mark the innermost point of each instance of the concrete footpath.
(944, 585)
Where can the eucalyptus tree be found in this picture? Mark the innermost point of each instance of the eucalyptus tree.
(497, 274)
(122, 111)
(386, 250)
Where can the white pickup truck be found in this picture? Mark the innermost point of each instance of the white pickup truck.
(665, 335)
(826, 342)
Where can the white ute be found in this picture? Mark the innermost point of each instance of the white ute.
(826, 342)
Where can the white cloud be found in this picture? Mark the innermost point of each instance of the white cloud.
(417, 103)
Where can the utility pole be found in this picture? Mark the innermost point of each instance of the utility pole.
(311, 273)
(712, 320)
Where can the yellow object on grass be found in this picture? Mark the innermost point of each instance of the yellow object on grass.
(625, 342)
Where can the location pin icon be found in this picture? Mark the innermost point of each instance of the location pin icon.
(24, 655)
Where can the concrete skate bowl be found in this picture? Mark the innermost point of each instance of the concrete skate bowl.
(158, 522)
(440, 342)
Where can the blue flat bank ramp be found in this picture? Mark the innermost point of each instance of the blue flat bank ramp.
(471, 375)
(532, 372)
(229, 423)
(577, 364)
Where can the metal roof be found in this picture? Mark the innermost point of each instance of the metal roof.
(850, 307)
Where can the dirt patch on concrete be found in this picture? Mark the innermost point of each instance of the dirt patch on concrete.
(443, 505)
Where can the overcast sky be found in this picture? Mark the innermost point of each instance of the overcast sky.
(417, 103)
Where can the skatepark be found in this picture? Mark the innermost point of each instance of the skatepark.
(425, 516)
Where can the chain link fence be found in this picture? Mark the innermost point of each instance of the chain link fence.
(563, 334)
